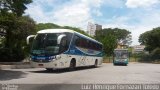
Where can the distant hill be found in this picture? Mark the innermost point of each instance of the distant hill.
(41, 26)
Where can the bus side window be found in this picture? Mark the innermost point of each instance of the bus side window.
(77, 41)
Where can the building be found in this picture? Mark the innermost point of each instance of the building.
(121, 46)
(138, 49)
(91, 28)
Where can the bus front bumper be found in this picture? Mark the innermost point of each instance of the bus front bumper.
(120, 62)
(51, 64)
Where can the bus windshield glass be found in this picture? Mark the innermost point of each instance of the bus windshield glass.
(121, 54)
(46, 44)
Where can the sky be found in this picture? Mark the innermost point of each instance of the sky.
(137, 16)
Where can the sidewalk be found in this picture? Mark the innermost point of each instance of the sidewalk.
(14, 65)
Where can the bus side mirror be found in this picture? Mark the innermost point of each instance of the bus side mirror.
(60, 38)
(29, 38)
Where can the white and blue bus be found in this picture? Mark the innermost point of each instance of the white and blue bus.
(121, 56)
(64, 48)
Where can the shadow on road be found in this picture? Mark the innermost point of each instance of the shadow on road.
(9, 75)
(57, 71)
(120, 65)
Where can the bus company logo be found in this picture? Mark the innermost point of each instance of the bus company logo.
(41, 58)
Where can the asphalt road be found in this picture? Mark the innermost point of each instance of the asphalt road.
(134, 73)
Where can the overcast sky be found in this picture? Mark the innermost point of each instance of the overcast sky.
(136, 16)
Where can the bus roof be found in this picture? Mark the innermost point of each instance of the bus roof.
(55, 31)
(65, 30)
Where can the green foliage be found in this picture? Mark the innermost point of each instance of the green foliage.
(109, 43)
(15, 39)
(123, 36)
(75, 29)
(15, 29)
(17, 7)
(111, 37)
(42, 26)
(141, 57)
(150, 39)
(155, 54)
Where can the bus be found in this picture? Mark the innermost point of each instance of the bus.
(121, 56)
(64, 48)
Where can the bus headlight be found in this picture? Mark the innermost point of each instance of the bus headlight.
(58, 57)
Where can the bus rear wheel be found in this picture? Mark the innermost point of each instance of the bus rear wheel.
(96, 64)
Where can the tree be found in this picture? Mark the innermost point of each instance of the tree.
(14, 28)
(111, 37)
(155, 54)
(15, 38)
(123, 36)
(109, 43)
(150, 39)
(10, 11)
(17, 7)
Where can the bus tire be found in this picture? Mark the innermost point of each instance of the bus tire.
(96, 63)
(72, 65)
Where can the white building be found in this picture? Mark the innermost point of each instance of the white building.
(91, 28)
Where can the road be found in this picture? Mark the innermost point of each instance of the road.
(134, 73)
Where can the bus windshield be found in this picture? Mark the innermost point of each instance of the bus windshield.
(46, 44)
(121, 54)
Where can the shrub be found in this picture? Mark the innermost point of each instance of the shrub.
(11, 55)
(155, 54)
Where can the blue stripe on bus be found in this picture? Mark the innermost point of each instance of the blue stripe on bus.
(74, 51)
(42, 57)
